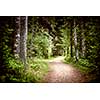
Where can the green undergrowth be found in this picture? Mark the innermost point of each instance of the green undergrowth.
(82, 64)
(40, 68)
(15, 72)
(88, 69)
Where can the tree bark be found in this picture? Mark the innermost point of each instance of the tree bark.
(71, 36)
(83, 47)
(17, 37)
(75, 42)
(23, 39)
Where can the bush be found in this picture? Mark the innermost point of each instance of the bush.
(39, 67)
(83, 64)
(15, 71)
(69, 60)
(38, 47)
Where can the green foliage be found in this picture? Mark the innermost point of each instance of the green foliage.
(6, 41)
(39, 45)
(83, 64)
(40, 68)
(15, 71)
(48, 36)
(69, 60)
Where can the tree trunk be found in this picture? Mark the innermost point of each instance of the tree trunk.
(17, 37)
(83, 47)
(50, 45)
(75, 42)
(23, 39)
(71, 45)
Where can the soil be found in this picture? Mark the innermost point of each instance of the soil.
(60, 72)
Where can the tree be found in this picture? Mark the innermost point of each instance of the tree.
(75, 41)
(23, 38)
(83, 44)
(71, 40)
(17, 36)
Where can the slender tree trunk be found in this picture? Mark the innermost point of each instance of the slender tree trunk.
(83, 47)
(71, 45)
(80, 45)
(31, 45)
(50, 46)
(23, 39)
(75, 42)
(17, 37)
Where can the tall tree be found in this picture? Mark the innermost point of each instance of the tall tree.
(71, 40)
(23, 39)
(75, 41)
(17, 36)
(83, 44)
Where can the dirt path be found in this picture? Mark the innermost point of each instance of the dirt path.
(62, 73)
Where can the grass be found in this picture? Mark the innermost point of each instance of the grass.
(88, 69)
(39, 68)
(15, 71)
(83, 64)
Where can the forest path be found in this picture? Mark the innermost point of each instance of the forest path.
(60, 72)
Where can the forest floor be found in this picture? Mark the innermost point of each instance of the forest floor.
(59, 72)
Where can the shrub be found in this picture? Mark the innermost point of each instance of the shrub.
(34, 73)
(83, 64)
